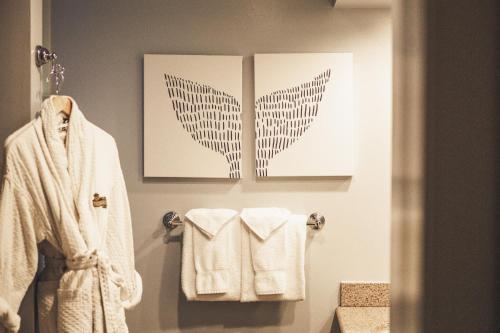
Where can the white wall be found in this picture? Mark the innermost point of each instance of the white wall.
(101, 44)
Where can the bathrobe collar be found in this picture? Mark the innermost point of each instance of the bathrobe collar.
(72, 172)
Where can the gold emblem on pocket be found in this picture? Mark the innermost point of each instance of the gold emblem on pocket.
(99, 201)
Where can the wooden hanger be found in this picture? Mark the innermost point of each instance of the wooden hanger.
(62, 104)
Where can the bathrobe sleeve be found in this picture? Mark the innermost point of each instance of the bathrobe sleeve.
(18, 250)
(120, 242)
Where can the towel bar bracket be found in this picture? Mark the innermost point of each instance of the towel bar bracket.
(316, 221)
(172, 220)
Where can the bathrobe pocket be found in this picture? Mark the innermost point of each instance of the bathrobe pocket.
(47, 306)
(74, 310)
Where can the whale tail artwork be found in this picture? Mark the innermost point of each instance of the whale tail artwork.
(283, 116)
(210, 116)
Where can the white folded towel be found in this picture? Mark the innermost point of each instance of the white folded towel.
(273, 255)
(211, 258)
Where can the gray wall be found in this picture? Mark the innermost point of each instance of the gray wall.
(102, 43)
(15, 91)
(15, 73)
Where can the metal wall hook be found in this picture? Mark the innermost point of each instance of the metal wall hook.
(43, 56)
(172, 220)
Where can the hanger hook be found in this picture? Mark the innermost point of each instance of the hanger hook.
(56, 73)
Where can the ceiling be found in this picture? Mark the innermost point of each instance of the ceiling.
(363, 3)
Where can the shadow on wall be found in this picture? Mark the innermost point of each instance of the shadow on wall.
(226, 314)
(269, 184)
(335, 328)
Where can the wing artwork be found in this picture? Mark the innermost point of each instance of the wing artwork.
(212, 118)
(283, 116)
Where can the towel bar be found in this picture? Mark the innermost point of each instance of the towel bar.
(172, 220)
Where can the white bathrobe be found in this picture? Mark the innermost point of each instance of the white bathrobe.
(47, 204)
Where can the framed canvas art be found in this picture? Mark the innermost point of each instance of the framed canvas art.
(192, 116)
(305, 124)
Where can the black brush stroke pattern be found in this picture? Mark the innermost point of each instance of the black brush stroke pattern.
(212, 118)
(283, 116)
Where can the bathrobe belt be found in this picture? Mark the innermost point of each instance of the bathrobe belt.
(104, 274)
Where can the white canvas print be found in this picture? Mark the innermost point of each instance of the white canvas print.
(192, 116)
(304, 115)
